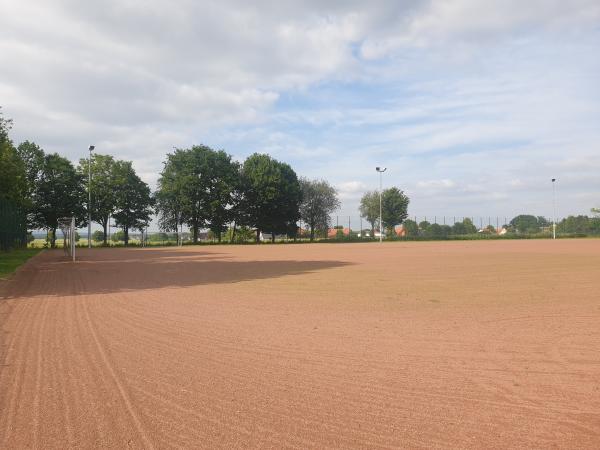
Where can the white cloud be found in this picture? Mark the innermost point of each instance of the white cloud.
(436, 184)
(454, 97)
(351, 189)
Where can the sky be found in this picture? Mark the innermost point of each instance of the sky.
(472, 106)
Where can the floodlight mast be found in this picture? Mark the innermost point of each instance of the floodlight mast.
(91, 149)
(553, 208)
(380, 170)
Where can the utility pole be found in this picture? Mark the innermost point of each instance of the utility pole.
(380, 170)
(553, 208)
(91, 149)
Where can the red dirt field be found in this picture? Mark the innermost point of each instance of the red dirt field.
(436, 345)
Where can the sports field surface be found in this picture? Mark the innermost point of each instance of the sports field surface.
(433, 345)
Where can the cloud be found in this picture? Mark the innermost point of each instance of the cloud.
(471, 105)
(436, 184)
(351, 189)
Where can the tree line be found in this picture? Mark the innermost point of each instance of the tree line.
(198, 187)
(202, 188)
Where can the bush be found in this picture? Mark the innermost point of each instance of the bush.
(98, 236)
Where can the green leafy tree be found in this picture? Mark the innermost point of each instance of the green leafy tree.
(575, 224)
(423, 227)
(197, 187)
(271, 195)
(526, 223)
(133, 202)
(14, 198)
(99, 236)
(13, 179)
(319, 200)
(394, 208)
(220, 189)
(104, 192)
(464, 227)
(32, 156)
(59, 193)
(369, 209)
(489, 229)
(438, 231)
(119, 236)
(410, 227)
(242, 234)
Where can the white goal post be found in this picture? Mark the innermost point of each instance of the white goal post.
(67, 226)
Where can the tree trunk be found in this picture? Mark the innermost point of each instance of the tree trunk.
(233, 232)
(195, 231)
(219, 236)
(105, 237)
(312, 233)
(126, 235)
(272, 237)
(53, 239)
(257, 236)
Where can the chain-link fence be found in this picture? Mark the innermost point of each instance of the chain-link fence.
(13, 226)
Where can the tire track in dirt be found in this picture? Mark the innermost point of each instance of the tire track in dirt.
(321, 359)
(16, 347)
(119, 385)
(39, 372)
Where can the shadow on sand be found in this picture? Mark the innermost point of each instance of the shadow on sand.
(118, 270)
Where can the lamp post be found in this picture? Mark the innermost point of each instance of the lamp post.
(380, 170)
(553, 208)
(91, 149)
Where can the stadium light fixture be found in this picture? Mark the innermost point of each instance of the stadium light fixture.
(91, 149)
(553, 208)
(380, 170)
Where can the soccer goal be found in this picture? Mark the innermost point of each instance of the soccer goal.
(67, 226)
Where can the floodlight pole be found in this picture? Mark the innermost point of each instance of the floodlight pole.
(553, 208)
(380, 170)
(91, 148)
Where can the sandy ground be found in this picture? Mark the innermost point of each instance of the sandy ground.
(436, 345)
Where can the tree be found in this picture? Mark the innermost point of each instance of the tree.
(410, 227)
(13, 180)
(271, 195)
(575, 224)
(196, 187)
(369, 209)
(58, 193)
(220, 187)
(394, 208)
(526, 223)
(104, 194)
(133, 200)
(489, 229)
(319, 200)
(33, 157)
(464, 227)
(14, 201)
(99, 236)
(435, 230)
(119, 236)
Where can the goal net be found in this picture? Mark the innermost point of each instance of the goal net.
(67, 226)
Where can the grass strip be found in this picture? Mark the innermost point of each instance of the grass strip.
(9, 261)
